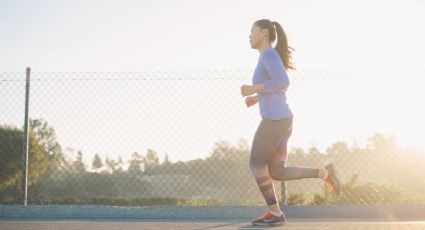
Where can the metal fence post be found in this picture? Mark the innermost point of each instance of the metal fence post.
(26, 140)
(283, 192)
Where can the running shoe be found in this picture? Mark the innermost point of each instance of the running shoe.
(268, 219)
(331, 180)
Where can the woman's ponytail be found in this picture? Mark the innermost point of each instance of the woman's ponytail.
(285, 52)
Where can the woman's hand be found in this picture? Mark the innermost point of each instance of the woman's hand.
(250, 101)
(247, 90)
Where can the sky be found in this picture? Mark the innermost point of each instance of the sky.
(149, 35)
(358, 38)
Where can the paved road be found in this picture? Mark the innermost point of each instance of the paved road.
(208, 213)
(294, 224)
(67, 217)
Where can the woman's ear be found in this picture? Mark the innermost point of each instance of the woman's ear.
(264, 33)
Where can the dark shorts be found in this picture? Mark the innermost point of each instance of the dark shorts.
(270, 141)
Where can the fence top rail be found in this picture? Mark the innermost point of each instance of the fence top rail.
(189, 75)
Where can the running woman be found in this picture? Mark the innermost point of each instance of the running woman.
(268, 155)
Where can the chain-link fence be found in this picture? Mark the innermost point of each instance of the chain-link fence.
(184, 137)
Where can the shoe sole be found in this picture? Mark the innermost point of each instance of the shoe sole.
(269, 224)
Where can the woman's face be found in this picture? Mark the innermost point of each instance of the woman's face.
(257, 36)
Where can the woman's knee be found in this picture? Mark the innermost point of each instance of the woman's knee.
(254, 168)
(254, 164)
(277, 172)
(258, 169)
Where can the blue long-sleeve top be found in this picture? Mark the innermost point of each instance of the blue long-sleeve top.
(271, 72)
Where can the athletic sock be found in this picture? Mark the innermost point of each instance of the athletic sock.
(277, 214)
(275, 209)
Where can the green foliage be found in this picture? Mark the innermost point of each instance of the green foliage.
(46, 137)
(296, 198)
(135, 164)
(11, 142)
(319, 199)
(97, 162)
(356, 192)
(221, 178)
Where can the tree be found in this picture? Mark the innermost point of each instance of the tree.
(221, 150)
(46, 137)
(298, 152)
(166, 160)
(381, 143)
(97, 162)
(243, 149)
(79, 164)
(135, 164)
(119, 164)
(337, 148)
(151, 160)
(313, 151)
(111, 164)
(11, 159)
